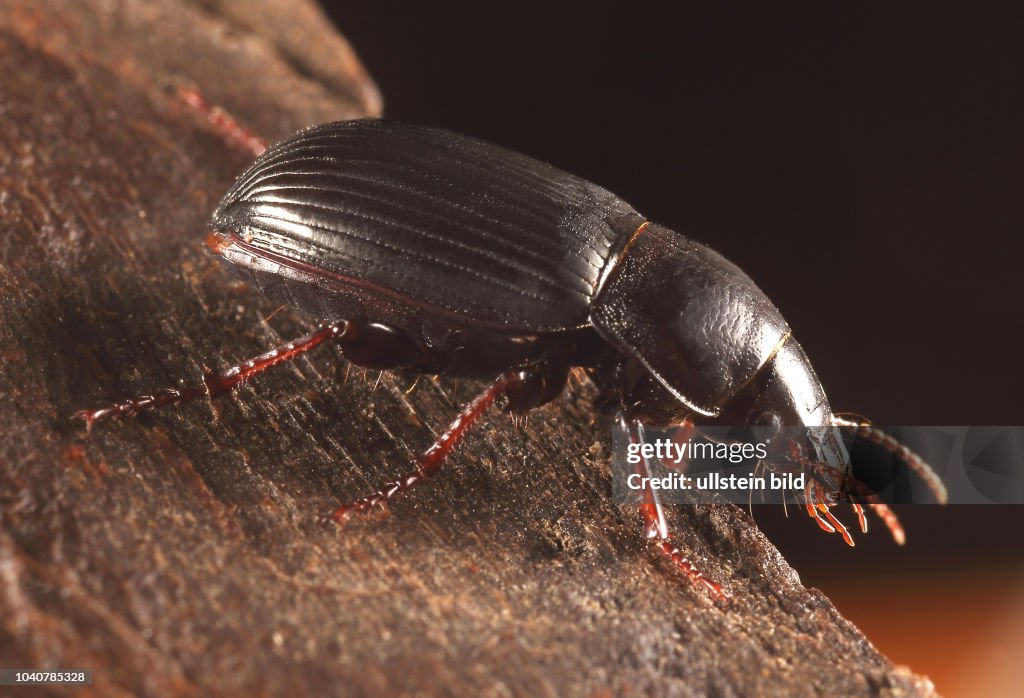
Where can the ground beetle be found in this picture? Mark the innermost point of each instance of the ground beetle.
(431, 252)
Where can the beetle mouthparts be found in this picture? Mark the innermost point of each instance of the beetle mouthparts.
(219, 241)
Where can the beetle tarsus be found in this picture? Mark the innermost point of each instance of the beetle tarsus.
(135, 405)
(713, 588)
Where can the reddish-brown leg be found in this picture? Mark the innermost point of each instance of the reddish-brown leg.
(223, 123)
(655, 524)
(214, 384)
(434, 457)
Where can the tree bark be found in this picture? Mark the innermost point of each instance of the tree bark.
(179, 554)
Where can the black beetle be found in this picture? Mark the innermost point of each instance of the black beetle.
(436, 253)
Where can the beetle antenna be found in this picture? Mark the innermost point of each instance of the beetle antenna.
(890, 444)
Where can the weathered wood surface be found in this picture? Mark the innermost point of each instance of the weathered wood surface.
(179, 554)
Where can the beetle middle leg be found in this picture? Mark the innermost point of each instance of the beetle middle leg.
(434, 457)
(524, 390)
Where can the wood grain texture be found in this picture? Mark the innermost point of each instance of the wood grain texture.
(179, 555)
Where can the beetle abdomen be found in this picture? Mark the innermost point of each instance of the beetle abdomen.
(440, 220)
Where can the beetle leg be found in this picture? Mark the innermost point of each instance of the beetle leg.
(214, 384)
(682, 434)
(225, 125)
(655, 524)
(434, 457)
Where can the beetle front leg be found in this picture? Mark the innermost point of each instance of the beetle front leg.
(434, 457)
(655, 523)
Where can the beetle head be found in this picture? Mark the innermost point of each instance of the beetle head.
(785, 405)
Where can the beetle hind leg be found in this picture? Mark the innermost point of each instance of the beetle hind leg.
(364, 343)
(214, 383)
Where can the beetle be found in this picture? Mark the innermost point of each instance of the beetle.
(431, 252)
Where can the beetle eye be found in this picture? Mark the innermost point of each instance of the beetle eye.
(766, 419)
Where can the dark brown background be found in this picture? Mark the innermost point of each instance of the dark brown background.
(862, 164)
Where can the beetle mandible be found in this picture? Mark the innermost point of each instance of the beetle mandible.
(432, 252)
